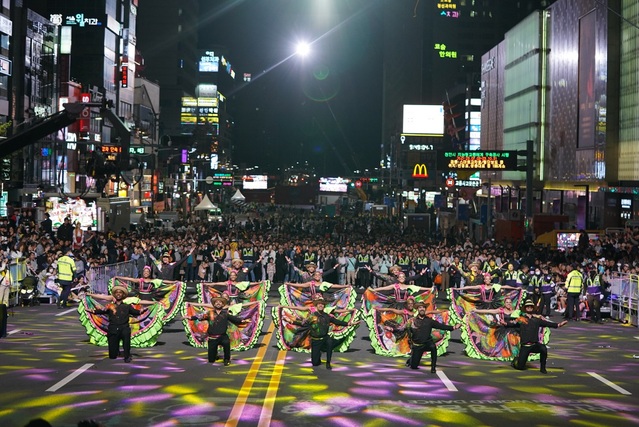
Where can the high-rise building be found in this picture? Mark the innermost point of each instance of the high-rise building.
(61, 50)
(167, 40)
(433, 56)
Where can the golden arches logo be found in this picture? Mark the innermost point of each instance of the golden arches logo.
(420, 171)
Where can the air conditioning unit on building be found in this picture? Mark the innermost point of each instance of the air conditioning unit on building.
(515, 215)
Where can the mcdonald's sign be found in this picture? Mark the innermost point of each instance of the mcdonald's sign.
(420, 171)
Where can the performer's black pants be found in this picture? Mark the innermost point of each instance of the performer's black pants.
(417, 351)
(319, 344)
(114, 335)
(525, 351)
(222, 340)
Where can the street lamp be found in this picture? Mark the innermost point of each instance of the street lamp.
(303, 49)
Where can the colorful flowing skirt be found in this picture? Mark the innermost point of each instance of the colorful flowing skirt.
(241, 292)
(145, 328)
(387, 340)
(169, 295)
(462, 302)
(485, 338)
(291, 336)
(336, 298)
(242, 338)
(392, 298)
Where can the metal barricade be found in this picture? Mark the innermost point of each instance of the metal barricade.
(99, 277)
(17, 272)
(624, 298)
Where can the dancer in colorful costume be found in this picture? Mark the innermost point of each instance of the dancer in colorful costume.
(529, 326)
(341, 297)
(394, 296)
(299, 328)
(169, 293)
(241, 337)
(217, 323)
(145, 327)
(485, 296)
(388, 339)
(236, 291)
(485, 337)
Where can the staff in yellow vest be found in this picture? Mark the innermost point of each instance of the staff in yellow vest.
(66, 274)
(574, 289)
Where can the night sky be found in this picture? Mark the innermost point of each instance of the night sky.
(324, 109)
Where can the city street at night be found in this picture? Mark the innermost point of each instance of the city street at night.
(50, 370)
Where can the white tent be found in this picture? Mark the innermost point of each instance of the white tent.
(205, 204)
(238, 197)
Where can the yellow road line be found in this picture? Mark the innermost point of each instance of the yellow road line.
(273, 385)
(245, 391)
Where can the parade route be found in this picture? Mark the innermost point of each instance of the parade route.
(50, 370)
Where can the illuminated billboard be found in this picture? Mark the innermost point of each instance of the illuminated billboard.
(255, 182)
(209, 63)
(423, 120)
(477, 160)
(200, 110)
(333, 185)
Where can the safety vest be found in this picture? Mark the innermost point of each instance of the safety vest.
(66, 268)
(422, 262)
(536, 280)
(574, 282)
(362, 260)
(547, 285)
(593, 285)
(512, 278)
(247, 254)
(403, 261)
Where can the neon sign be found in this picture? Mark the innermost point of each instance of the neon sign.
(446, 4)
(441, 49)
(449, 13)
(484, 160)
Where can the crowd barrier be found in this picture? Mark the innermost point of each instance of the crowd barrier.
(624, 298)
(99, 276)
(17, 272)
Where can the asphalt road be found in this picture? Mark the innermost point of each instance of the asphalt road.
(48, 369)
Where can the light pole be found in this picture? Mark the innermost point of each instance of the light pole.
(587, 214)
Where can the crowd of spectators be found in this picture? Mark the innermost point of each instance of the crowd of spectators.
(272, 241)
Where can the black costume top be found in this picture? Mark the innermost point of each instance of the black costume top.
(218, 321)
(320, 323)
(118, 314)
(422, 328)
(529, 327)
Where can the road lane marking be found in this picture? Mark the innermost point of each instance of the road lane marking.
(609, 383)
(15, 331)
(69, 378)
(62, 313)
(273, 386)
(245, 391)
(448, 383)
